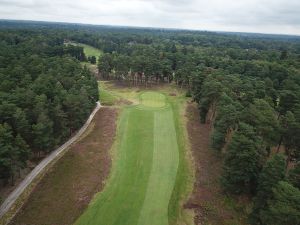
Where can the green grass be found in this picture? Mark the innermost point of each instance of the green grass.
(88, 50)
(145, 168)
(106, 98)
(152, 99)
(184, 179)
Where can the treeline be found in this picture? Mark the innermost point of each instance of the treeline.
(145, 59)
(255, 116)
(45, 95)
(257, 129)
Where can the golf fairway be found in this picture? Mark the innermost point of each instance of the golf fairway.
(144, 169)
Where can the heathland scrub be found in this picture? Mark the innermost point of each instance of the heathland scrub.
(150, 176)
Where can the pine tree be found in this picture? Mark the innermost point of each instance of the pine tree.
(272, 173)
(43, 133)
(243, 161)
(294, 176)
(284, 207)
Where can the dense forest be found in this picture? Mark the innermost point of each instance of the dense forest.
(45, 96)
(247, 87)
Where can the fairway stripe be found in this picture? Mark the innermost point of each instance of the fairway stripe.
(164, 170)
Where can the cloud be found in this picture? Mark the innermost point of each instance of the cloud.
(265, 16)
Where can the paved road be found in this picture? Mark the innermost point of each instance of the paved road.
(10, 200)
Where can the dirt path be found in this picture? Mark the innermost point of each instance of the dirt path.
(11, 199)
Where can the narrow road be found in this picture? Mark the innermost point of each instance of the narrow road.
(11, 199)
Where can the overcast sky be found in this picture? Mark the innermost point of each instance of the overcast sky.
(263, 16)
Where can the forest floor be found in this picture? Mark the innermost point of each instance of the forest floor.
(210, 204)
(65, 191)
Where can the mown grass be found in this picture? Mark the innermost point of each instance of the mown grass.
(88, 50)
(176, 99)
(145, 168)
(152, 99)
(91, 51)
(122, 199)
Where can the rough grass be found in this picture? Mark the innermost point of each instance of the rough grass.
(145, 168)
(106, 98)
(120, 92)
(184, 179)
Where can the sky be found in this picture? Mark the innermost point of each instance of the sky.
(259, 16)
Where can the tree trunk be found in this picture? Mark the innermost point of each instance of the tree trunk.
(279, 144)
(213, 109)
(12, 178)
(288, 158)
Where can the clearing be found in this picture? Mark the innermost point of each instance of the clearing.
(88, 50)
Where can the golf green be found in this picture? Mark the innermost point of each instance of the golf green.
(144, 170)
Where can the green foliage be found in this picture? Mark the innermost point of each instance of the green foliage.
(105, 65)
(42, 132)
(45, 95)
(290, 135)
(272, 173)
(284, 207)
(188, 94)
(243, 161)
(294, 176)
(13, 152)
(92, 59)
(263, 117)
(226, 122)
(218, 139)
